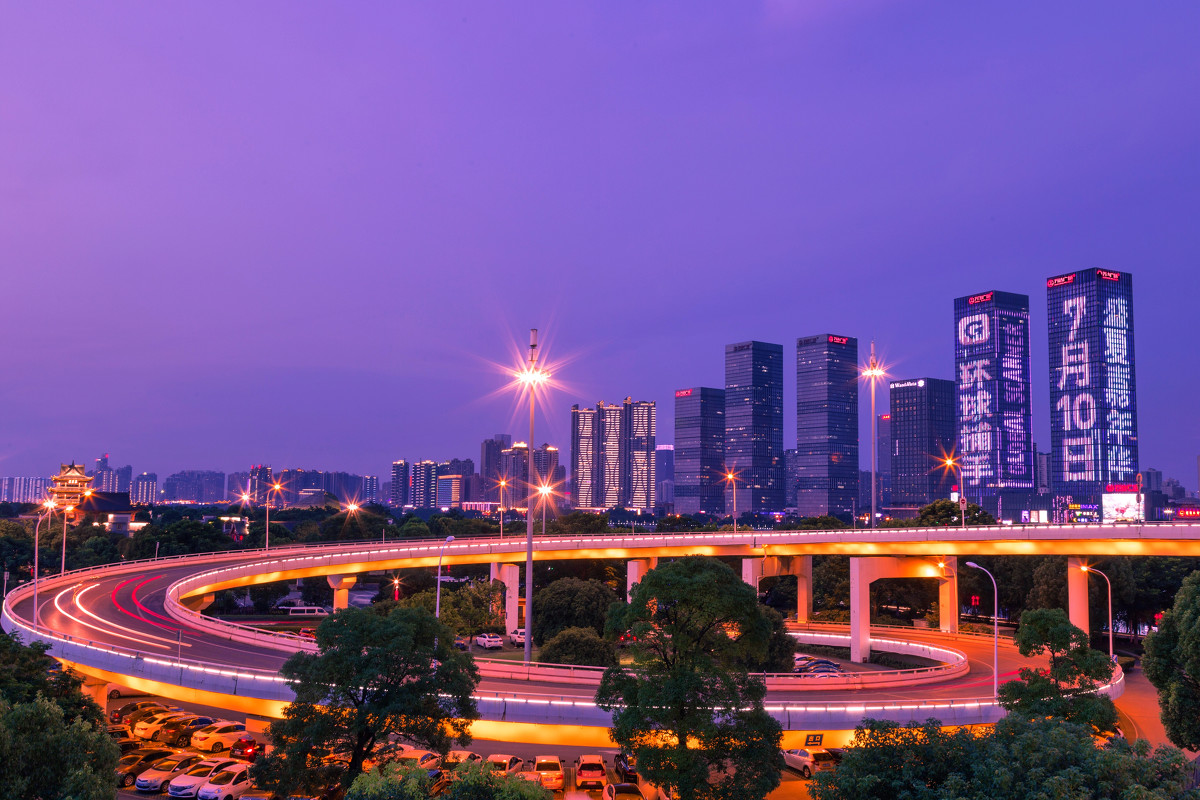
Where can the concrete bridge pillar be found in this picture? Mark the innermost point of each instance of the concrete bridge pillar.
(509, 575)
(860, 609)
(752, 571)
(1077, 594)
(97, 690)
(948, 596)
(341, 589)
(755, 569)
(635, 570)
(198, 602)
(802, 569)
(865, 570)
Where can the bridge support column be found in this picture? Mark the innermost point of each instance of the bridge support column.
(752, 571)
(635, 570)
(948, 596)
(97, 690)
(509, 575)
(341, 589)
(198, 602)
(860, 609)
(1077, 594)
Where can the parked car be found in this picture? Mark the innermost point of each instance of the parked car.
(625, 765)
(187, 784)
(489, 641)
(623, 791)
(247, 748)
(179, 732)
(165, 770)
(216, 737)
(810, 760)
(456, 757)
(136, 762)
(497, 762)
(419, 758)
(590, 770)
(134, 717)
(626, 638)
(462, 642)
(308, 633)
(146, 728)
(119, 715)
(116, 690)
(517, 636)
(129, 745)
(119, 731)
(550, 769)
(228, 784)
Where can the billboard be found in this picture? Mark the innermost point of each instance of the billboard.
(1122, 507)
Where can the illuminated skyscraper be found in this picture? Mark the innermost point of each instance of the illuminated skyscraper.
(612, 455)
(400, 487)
(489, 465)
(921, 430)
(699, 450)
(1093, 387)
(144, 490)
(639, 427)
(827, 478)
(754, 425)
(424, 485)
(993, 406)
(584, 425)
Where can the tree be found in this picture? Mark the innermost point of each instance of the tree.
(1067, 688)
(1017, 760)
(580, 647)
(27, 672)
(467, 609)
(391, 782)
(943, 513)
(374, 674)
(570, 603)
(44, 753)
(1172, 664)
(687, 706)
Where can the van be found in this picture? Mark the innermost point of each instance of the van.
(307, 611)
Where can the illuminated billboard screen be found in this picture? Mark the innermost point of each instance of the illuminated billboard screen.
(1093, 399)
(1121, 507)
(993, 404)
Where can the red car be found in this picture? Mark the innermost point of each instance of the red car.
(247, 748)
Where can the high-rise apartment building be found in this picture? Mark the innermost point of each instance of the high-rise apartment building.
(424, 484)
(370, 489)
(237, 484)
(144, 490)
(514, 471)
(400, 484)
(489, 465)
(922, 435)
(1093, 384)
(194, 486)
(545, 464)
(700, 451)
(24, 490)
(449, 491)
(262, 481)
(295, 481)
(640, 471)
(994, 411)
(612, 455)
(754, 425)
(827, 426)
(791, 476)
(585, 424)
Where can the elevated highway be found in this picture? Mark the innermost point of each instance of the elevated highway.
(139, 623)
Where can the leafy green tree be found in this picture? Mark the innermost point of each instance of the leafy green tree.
(1066, 689)
(264, 596)
(687, 706)
(46, 754)
(27, 672)
(391, 782)
(316, 591)
(467, 609)
(578, 523)
(1019, 759)
(831, 582)
(942, 513)
(374, 674)
(346, 525)
(1172, 664)
(570, 603)
(580, 647)
(479, 782)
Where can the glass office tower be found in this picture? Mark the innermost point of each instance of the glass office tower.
(922, 433)
(993, 405)
(754, 425)
(827, 425)
(699, 450)
(1093, 389)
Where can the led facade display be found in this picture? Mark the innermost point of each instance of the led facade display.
(993, 405)
(1093, 399)
(1121, 507)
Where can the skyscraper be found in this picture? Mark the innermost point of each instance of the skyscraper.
(612, 455)
(261, 481)
(827, 425)
(489, 464)
(514, 466)
(370, 490)
(1093, 384)
(144, 490)
(639, 469)
(883, 450)
(584, 426)
(699, 450)
(922, 434)
(195, 486)
(993, 406)
(400, 486)
(754, 425)
(424, 484)
(664, 477)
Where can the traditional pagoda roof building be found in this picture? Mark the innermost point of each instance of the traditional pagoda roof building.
(70, 486)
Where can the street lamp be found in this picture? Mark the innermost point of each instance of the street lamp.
(952, 465)
(503, 484)
(731, 479)
(437, 604)
(49, 506)
(873, 372)
(1086, 568)
(995, 631)
(544, 492)
(66, 511)
(531, 377)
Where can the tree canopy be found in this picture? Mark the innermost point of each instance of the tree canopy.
(570, 603)
(688, 706)
(580, 647)
(1172, 664)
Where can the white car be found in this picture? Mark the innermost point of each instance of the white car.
(498, 762)
(590, 770)
(418, 758)
(165, 770)
(517, 636)
(146, 728)
(489, 641)
(228, 784)
(550, 769)
(456, 757)
(808, 761)
(218, 736)
(187, 784)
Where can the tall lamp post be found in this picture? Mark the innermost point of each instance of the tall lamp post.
(66, 511)
(532, 377)
(503, 483)
(49, 506)
(995, 631)
(731, 479)
(544, 492)
(954, 466)
(437, 603)
(873, 373)
(1088, 569)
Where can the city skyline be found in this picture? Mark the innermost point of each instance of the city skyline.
(288, 286)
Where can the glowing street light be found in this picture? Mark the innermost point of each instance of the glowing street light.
(531, 377)
(66, 512)
(437, 603)
(544, 492)
(49, 506)
(731, 479)
(951, 463)
(995, 631)
(873, 372)
(1086, 568)
(503, 485)
(396, 589)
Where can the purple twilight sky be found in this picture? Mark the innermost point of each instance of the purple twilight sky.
(305, 233)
